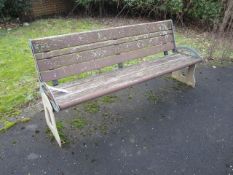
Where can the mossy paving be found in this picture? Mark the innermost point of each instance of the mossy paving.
(85, 127)
(92, 107)
(6, 124)
(109, 99)
(79, 123)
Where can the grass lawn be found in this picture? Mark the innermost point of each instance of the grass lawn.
(18, 79)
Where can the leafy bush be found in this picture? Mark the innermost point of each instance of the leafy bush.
(2, 4)
(199, 10)
(174, 6)
(14, 8)
(206, 10)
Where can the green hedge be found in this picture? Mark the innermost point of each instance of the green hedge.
(199, 10)
(14, 8)
(2, 4)
(205, 11)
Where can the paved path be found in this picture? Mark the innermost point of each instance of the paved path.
(155, 128)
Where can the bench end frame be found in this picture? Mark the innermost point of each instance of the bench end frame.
(49, 117)
(48, 105)
(188, 79)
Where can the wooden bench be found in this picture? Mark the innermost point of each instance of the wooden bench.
(62, 56)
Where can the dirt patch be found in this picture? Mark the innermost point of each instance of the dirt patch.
(9, 25)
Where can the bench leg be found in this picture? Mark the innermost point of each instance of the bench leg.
(188, 78)
(50, 119)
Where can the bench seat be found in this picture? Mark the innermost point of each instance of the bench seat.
(105, 83)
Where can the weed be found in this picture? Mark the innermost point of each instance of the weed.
(103, 129)
(152, 97)
(130, 97)
(60, 128)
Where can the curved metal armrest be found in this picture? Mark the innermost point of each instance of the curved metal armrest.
(188, 51)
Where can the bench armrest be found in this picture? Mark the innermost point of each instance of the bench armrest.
(44, 88)
(188, 51)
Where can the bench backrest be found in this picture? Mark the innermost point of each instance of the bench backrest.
(65, 55)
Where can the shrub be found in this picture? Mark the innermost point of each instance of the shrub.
(174, 6)
(199, 10)
(14, 8)
(206, 10)
(2, 4)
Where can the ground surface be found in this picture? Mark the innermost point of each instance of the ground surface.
(159, 127)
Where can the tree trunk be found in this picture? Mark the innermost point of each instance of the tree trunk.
(228, 16)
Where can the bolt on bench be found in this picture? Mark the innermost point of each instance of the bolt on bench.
(62, 56)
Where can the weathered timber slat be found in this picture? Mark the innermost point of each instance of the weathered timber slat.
(134, 77)
(91, 46)
(99, 79)
(75, 58)
(100, 63)
(75, 39)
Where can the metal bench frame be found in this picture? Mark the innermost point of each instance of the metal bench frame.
(50, 105)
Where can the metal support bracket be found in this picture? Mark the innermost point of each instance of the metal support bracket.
(50, 119)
